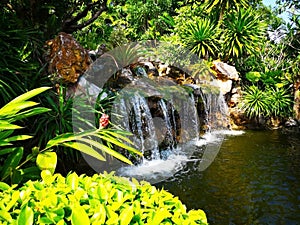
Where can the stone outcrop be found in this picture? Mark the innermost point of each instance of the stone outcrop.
(228, 80)
(66, 58)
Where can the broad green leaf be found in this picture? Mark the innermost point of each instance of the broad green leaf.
(66, 137)
(26, 216)
(14, 198)
(8, 126)
(106, 149)
(118, 134)
(79, 216)
(47, 161)
(30, 112)
(11, 162)
(29, 95)
(2, 144)
(112, 216)
(195, 215)
(4, 186)
(7, 150)
(85, 149)
(47, 178)
(102, 193)
(72, 181)
(160, 215)
(5, 134)
(61, 222)
(32, 172)
(120, 144)
(18, 138)
(6, 216)
(13, 108)
(126, 215)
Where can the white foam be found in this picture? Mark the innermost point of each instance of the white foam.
(229, 132)
(155, 170)
(158, 169)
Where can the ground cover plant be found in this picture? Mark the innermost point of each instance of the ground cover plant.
(84, 200)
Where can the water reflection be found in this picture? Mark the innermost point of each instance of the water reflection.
(253, 180)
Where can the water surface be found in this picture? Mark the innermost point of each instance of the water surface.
(255, 179)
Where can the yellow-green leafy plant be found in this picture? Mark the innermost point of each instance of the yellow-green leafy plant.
(244, 33)
(12, 169)
(84, 200)
(201, 36)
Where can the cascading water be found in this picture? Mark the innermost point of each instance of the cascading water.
(165, 127)
(216, 111)
(165, 107)
(167, 132)
(134, 115)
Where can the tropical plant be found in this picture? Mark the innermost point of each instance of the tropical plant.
(201, 37)
(280, 102)
(272, 102)
(253, 76)
(255, 102)
(14, 111)
(87, 142)
(244, 33)
(18, 69)
(222, 5)
(84, 200)
(143, 18)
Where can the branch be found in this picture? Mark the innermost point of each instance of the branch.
(71, 25)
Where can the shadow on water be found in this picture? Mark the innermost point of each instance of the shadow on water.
(255, 179)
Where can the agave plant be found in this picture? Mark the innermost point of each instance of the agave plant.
(201, 37)
(222, 5)
(255, 102)
(280, 101)
(244, 33)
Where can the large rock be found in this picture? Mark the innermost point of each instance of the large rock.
(225, 71)
(67, 59)
(225, 86)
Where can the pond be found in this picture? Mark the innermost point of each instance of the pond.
(255, 179)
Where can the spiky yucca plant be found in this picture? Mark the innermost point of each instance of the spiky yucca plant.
(244, 33)
(201, 37)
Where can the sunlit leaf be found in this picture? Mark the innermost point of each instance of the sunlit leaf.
(26, 216)
(47, 161)
(85, 149)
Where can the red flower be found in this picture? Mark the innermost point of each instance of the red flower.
(104, 120)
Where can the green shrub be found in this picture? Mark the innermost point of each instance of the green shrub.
(12, 169)
(100, 199)
(281, 102)
(272, 102)
(255, 102)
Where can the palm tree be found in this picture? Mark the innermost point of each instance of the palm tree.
(222, 5)
(244, 33)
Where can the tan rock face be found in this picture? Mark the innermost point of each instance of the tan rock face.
(67, 58)
(225, 71)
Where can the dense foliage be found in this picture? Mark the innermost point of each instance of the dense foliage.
(15, 168)
(100, 199)
(245, 34)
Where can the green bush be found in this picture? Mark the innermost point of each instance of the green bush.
(12, 169)
(272, 102)
(100, 199)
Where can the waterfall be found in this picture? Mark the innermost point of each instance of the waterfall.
(168, 129)
(216, 111)
(165, 120)
(132, 113)
(158, 125)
